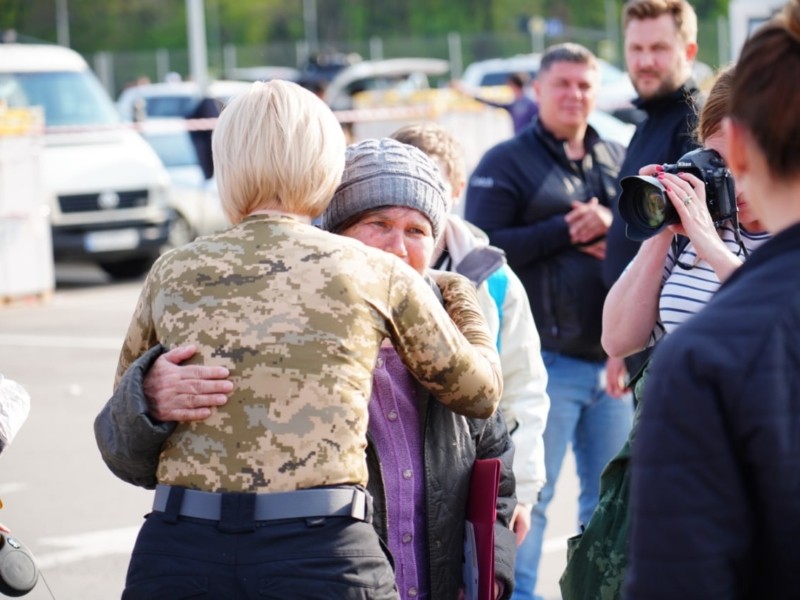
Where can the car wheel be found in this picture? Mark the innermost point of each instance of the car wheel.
(130, 268)
(180, 232)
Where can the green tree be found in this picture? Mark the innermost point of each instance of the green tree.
(124, 25)
(10, 11)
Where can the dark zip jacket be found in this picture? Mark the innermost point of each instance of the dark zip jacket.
(716, 469)
(519, 194)
(663, 137)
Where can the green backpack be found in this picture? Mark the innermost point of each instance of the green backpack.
(597, 558)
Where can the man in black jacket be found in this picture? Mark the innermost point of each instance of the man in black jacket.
(660, 45)
(544, 197)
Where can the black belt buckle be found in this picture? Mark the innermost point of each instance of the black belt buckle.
(237, 512)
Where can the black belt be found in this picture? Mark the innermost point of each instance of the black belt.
(319, 502)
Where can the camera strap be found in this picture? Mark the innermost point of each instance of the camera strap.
(737, 233)
(679, 243)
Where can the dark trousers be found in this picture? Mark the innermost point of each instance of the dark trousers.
(336, 558)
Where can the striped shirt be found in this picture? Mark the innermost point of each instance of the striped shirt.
(684, 291)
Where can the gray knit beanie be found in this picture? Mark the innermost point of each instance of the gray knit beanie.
(385, 172)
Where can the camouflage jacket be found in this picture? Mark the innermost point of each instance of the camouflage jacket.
(298, 315)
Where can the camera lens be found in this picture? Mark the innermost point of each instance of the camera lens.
(651, 206)
(644, 207)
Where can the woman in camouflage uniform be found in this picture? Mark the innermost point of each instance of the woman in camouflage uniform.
(265, 497)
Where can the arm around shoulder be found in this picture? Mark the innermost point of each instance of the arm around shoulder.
(128, 439)
(451, 353)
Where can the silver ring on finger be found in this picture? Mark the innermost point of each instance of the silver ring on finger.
(687, 200)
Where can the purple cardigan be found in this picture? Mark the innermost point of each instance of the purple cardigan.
(394, 427)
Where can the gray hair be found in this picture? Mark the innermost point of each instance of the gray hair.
(567, 52)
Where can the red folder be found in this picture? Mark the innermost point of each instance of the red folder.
(484, 488)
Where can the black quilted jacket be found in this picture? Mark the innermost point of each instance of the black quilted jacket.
(716, 462)
(451, 443)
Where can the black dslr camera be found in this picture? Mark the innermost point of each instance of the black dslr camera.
(644, 205)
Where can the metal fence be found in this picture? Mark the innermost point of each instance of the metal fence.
(118, 69)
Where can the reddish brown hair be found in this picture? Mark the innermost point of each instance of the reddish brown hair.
(716, 106)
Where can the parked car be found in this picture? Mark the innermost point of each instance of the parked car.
(106, 187)
(400, 74)
(325, 65)
(172, 99)
(607, 125)
(193, 197)
(264, 73)
(616, 90)
(611, 128)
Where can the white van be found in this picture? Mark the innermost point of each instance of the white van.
(107, 187)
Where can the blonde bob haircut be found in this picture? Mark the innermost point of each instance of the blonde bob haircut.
(277, 146)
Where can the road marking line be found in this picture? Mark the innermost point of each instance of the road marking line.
(555, 544)
(84, 546)
(12, 487)
(53, 341)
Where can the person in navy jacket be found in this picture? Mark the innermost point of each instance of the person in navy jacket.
(716, 461)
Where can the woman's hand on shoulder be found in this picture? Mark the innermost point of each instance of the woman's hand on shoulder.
(178, 392)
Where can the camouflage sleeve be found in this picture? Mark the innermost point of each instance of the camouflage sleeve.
(461, 303)
(141, 334)
(462, 372)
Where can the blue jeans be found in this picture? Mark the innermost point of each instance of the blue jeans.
(596, 424)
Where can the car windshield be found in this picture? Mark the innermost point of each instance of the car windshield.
(611, 128)
(610, 74)
(174, 149)
(500, 77)
(67, 98)
(170, 106)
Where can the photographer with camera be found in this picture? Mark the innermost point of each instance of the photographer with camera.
(668, 280)
(687, 215)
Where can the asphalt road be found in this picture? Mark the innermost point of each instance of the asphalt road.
(59, 498)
